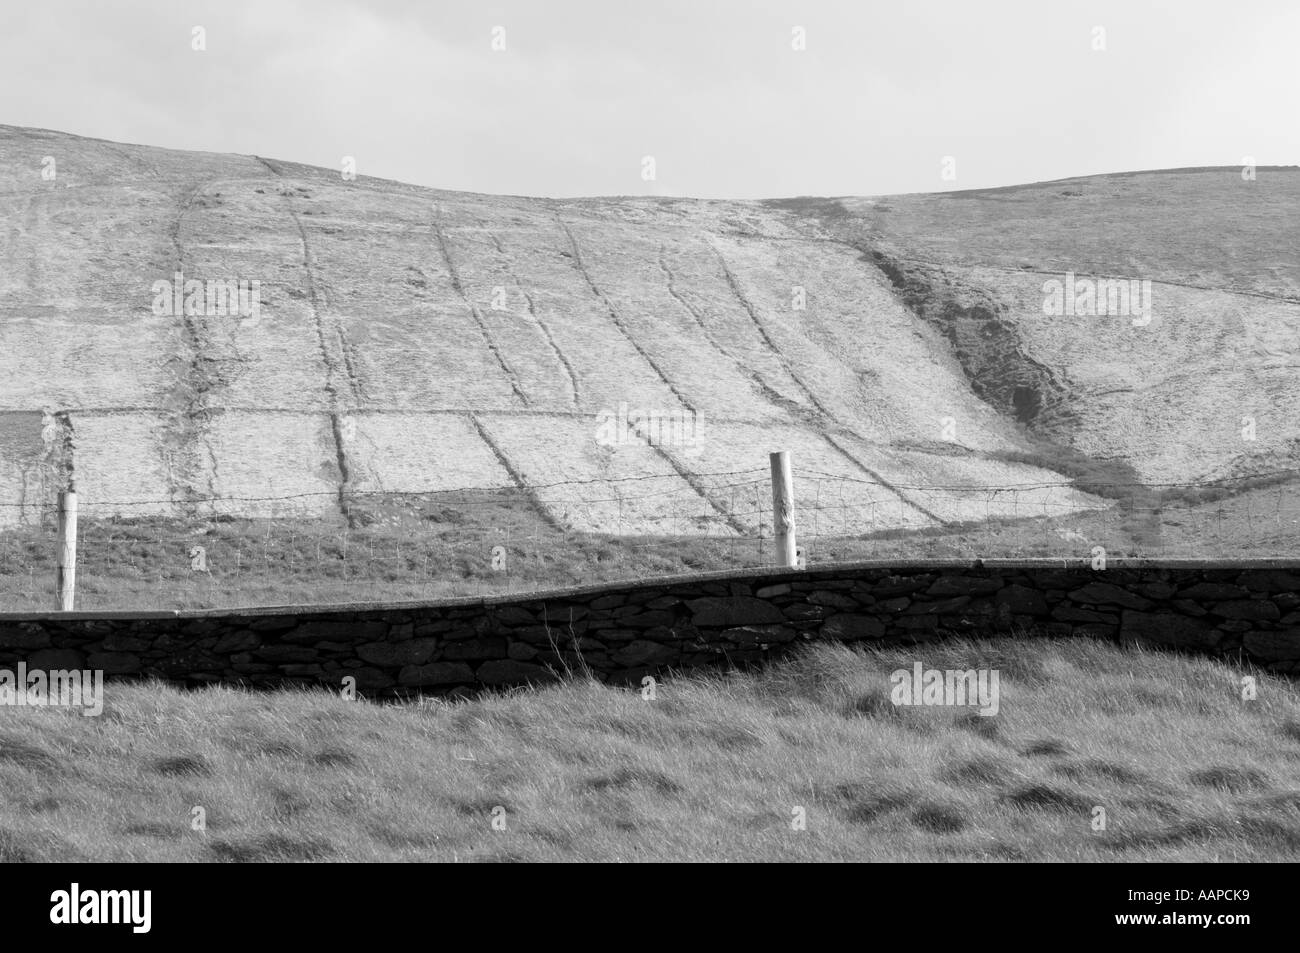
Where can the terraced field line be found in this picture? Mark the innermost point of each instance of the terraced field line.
(520, 483)
(133, 159)
(403, 411)
(199, 378)
(345, 473)
(332, 368)
(795, 410)
(331, 364)
(1155, 281)
(618, 321)
(882, 481)
(863, 249)
(122, 184)
(961, 265)
(753, 316)
(27, 230)
(532, 311)
(506, 369)
(348, 351)
(689, 479)
(753, 375)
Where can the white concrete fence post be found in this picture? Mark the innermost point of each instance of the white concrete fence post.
(67, 547)
(783, 510)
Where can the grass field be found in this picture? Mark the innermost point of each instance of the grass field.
(441, 549)
(712, 768)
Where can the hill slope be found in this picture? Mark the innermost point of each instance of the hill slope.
(411, 340)
(415, 340)
(1167, 395)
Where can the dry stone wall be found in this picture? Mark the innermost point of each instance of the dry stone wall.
(622, 632)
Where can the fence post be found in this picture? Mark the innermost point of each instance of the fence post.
(783, 509)
(67, 547)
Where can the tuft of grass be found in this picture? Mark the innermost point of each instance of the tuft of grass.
(1045, 747)
(24, 754)
(269, 847)
(977, 771)
(1235, 780)
(1048, 797)
(181, 766)
(938, 818)
(1093, 769)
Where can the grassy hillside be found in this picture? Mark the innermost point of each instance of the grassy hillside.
(1165, 399)
(1184, 769)
(411, 339)
(415, 345)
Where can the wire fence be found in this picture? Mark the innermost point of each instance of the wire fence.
(328, 548)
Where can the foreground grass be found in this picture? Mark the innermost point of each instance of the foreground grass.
(711, 769)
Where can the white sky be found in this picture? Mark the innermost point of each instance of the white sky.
(710, 88)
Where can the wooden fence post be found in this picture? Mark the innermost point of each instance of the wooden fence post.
(67, 547)
(783, 509)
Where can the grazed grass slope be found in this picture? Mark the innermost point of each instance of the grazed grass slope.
(417, 341)
(1165, 399)
(436, 549)
(710, 769)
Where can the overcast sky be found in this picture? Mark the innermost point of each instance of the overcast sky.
(712, 89)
